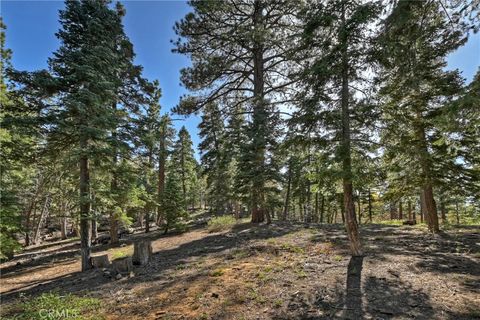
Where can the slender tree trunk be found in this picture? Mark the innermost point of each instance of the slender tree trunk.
(400, 209)
(161, 174)
(409, 208)
(359, 204)
(392, 211)
(316, 207)
(287, 197)
(351, 219)
(85, 240)
(457, 213)
(322, 209)
(94, 229)
(63, 223)
(41, 219)
(422, 206)
(370, 205)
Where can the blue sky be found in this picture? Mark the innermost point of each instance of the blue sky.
(31, 27)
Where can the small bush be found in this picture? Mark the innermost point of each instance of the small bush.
(52, 306)
(221, 223)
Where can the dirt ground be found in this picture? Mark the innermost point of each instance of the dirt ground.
(280, 271)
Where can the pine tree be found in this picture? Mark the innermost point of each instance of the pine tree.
(247, 68)
(214, 157)
(172, 203)
(87, 83)
(416, 39)
(166, 134)
(12, 179)
(184, 163)
(150, 124)
(336, 36)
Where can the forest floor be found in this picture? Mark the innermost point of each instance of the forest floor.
(279, 271)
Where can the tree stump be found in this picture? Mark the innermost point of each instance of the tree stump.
(122, 265)
(142, 251)
(100, 261)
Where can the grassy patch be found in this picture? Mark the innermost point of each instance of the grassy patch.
(292, 248)
(217, 273)
(222, 223)
(52, 306)
(393, 222)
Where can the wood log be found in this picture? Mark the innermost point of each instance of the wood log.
(100, 261)
(409, 222)
(142, 252)
(122, 265)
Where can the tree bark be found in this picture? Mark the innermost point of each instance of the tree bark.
(351, 219)
(142, 252)
(41, 219)
(457, 213)
(370, 205)
(287, 197)
(85, 240)
(94, 229)
(431, 215)
(322, 209)
(409, 208)
(400, 209)
(359, 204)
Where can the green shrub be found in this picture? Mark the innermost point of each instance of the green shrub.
(52, 306)
(221, 223)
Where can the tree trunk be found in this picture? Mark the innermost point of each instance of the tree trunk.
(342, 210)
(287, 196)
(351, 219)
(85, 240)
(316, 208)
(422, 206)
(41, 219)
(359, 209)
(370, 205)
(94, 229)
(114, 240)
(161, 175)
(457, 213)
(63, 226)
(431, 215)
(400, 209)
(409, 208)
(322, 209)
(392, 211)
(147, 222)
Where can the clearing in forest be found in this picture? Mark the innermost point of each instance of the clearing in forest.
(280, 271)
